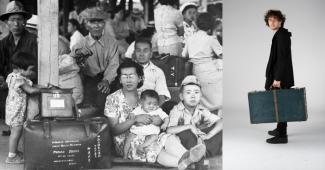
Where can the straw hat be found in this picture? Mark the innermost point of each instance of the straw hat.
(15, 7)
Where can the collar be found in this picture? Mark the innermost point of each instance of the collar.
(198, 108)
(202, 32)
(11, 36)
(188, 25)
(92, 41)
(147, 65)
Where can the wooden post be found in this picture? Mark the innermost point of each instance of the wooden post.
(146, 11)
(48, 67)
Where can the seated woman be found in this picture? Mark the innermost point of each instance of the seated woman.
(167, 150)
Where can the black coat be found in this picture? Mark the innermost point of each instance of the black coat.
(279, 66)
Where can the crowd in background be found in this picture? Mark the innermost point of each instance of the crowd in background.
(105, 57)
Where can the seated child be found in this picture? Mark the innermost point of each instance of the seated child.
(192, 122)
(19, 86)
(149, 105)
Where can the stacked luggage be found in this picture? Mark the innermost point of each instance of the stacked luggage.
(61, 140)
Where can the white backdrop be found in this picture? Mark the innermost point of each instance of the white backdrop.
(247, 43)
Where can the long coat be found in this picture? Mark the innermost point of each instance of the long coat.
(279, 66)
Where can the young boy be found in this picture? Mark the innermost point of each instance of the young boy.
(192, 122)
(154, 77)
(149, 105)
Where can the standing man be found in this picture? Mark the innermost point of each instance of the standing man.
(279, 71)
(18, 40)
(99, 69)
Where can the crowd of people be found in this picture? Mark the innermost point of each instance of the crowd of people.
(109, 66)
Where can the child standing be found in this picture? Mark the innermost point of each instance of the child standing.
(19, 85)
(201, 49)
(192, 122)
(149, 105)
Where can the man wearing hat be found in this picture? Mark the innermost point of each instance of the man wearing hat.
(99, 69)
(18, 40)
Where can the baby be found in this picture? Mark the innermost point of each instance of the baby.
(149, 105)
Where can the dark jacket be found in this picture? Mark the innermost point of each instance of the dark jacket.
(27, 43)
(279, 66)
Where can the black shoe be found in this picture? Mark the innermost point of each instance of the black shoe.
(274, 132)
(6, 133)
(277, 140)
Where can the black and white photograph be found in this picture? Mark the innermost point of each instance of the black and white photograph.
(111, 84)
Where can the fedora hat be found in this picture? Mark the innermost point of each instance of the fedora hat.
(15, 7)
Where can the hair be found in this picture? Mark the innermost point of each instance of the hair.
(118, 9)
(128, 63)
(205, 22)
(23, 60)
(182, 86)
(276, 14)
(75, 23)
(188, 7)
(143, 40)
(168, 2)
(149, 93)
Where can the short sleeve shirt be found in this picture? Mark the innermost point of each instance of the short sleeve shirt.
(154, 79)
(201, 118)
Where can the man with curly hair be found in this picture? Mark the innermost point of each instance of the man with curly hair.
(279, 71)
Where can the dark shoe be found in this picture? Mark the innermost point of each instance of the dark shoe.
(274, 132)
(6, 133)
(277, 140)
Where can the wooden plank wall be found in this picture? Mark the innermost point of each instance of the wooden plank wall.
(48, 68)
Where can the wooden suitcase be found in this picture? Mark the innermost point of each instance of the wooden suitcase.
(283, 105)
(67, 144)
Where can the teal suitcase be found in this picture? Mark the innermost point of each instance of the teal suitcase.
(282, 105)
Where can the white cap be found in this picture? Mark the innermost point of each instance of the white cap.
(187, 4)
(32, 22)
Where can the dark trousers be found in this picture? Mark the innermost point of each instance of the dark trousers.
(91, 94)
(282, 129)
(281, 126)
(213, 145)
(3, 97)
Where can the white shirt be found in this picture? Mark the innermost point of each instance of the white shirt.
(154, 79)
(189, 30)
(75, 38)
(201, 47)
(167, 22)
(147, 129)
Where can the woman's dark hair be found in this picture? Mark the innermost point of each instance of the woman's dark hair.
(168, 2)
(149, 93)
(128, 63)
(75, 23)
(276, 14)
(23, 60)
(205, 22)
